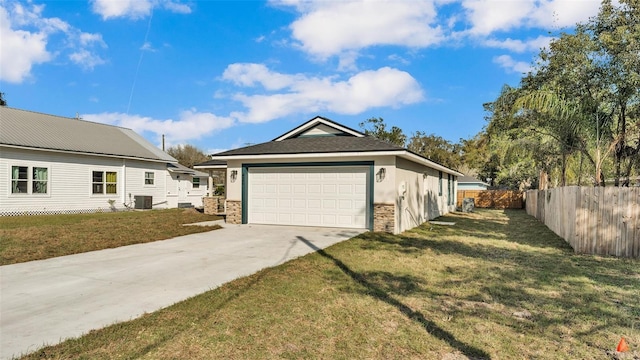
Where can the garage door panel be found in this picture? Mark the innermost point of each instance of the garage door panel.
(318, 196)
(329, 220)
(345, 204)
(329, 204)
(300, 204)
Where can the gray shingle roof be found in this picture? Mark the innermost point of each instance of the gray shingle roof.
(213, 163)
(42, 131)
(308, 145)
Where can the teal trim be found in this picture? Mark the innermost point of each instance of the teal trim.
(245, 194)
(370, 182)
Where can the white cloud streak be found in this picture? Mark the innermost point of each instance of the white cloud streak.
(298, 93)
(135, 9)
(520, 46)
(190, 124)
(510, 65)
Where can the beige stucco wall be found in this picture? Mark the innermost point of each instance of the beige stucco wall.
(383, 191)
(420, 203)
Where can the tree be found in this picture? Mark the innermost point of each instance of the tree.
(3, 102)
(377, 128)
(436, 148)
(187, 155)
(581, 103)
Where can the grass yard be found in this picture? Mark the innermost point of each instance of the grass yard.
(27, 238)
(496, 285)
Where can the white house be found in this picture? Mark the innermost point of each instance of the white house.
(53, 164)
(471, 183)
(325, 174)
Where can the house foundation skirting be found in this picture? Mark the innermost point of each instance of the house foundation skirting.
(384, 217)
(234, 212)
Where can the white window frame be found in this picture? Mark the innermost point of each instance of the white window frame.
(104, 183)
(193, 182)
(30, 181)
(153, 178)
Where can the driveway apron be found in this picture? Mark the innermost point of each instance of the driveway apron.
(45, 302)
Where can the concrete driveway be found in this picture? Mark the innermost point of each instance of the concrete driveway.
(44, 302)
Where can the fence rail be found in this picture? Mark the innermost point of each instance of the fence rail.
(593, 220)
(497, 199)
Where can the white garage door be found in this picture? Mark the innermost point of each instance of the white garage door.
(314, 196)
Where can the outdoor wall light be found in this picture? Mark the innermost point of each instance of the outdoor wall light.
(381, 174)
(234, 175)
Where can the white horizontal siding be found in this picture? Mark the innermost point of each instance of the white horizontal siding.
(185, 184)
(136, 186)
(69, 181)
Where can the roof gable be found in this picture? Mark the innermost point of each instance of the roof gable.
(319, 126)
(27, 129)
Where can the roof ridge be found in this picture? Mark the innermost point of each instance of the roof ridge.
(65, 117)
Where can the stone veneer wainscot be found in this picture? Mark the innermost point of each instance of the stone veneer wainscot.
(384, 217)
(234, 212)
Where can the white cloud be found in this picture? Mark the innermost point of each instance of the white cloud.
(247, 74)
(90, 39)
(177, 7)
(490, 16)
(329, 28)
(19, 50)
(135, 9)
(86, 59)
(26, 37)
(519, 46)
(511, 65)
(190, 125)
(385, 87)
(147, 47)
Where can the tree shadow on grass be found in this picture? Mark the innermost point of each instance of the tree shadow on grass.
(372, 290)
(525, 266)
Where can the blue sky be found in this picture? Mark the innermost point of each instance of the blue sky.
(222, 74)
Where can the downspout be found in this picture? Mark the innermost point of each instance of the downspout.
(124, 181)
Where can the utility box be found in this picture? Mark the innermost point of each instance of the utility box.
(468, 204)
(143, 202)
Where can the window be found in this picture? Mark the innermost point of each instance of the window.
(40, 179)
(20, 180)
(148, 178)
(440, 183)
(104, 182)
(196, 182)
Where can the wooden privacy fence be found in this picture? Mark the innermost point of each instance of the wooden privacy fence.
(593, 220)
(497, 199)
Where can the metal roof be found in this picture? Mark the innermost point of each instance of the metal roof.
(21, 128)
(181, 169)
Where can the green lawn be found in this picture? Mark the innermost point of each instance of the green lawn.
(27, 238)
(496, 285)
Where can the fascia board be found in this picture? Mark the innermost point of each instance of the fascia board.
(313, 122)
(401, 153)
(87, 153)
